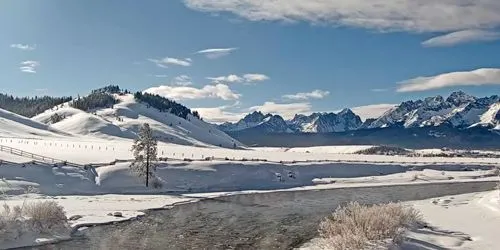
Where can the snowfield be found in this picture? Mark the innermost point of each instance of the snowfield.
(468, 221)
(99, 150)
(82, 162)
(124, 119)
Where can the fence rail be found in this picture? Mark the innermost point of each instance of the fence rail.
(37, 157)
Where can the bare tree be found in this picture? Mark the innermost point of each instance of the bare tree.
(145, 153)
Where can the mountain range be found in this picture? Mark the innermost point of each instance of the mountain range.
(459, 110)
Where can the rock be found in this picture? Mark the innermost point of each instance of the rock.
(75, 217)
(117, 214)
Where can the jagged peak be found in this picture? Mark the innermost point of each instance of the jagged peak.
(346, 111)
(460, 97)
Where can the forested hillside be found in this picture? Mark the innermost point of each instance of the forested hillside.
(30, 106)
(165, 105)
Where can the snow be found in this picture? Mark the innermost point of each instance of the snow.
(86, 151)
(426, 175)
(125, 118)
(195, 164)
(468, 221)
(13, 125)
(95, 209)
(372, 111)
(489, 116)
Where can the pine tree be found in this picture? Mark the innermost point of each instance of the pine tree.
(145, 153)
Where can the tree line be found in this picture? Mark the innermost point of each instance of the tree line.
(30, 106)
(98, 98)
(94, 101)
(165, 105)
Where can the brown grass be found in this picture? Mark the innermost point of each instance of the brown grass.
(45, 215)
(357, 226)
(40, 216)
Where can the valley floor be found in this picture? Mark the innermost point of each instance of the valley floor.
(91, 196)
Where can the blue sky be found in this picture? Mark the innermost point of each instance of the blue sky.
(280, 56)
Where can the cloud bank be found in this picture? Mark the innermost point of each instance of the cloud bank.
(478, 77)
(218, 91)
(382, 15)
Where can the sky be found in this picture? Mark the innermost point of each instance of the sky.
(226, 58)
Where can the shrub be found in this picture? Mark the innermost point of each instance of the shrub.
(357, 226)
(384, 150)
(44, 215)
(55, 118)
(11, 226)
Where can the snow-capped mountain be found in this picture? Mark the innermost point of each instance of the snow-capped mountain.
(345, 120)
(459, 110)
(258, 121)
(314, 123)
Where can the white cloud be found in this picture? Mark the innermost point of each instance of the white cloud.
(463, 36)
(227, 79)
(255, 77)
(315, 94)
(164, 62)
(286, 110)
(182, 80)
(161, 76)
(219, 114)
(372, 111)
(216, 53)
(476, 77)
(246, 78)
(385, 15)
(219, 91)
(379, 90)
(23, 46)
(29, 66)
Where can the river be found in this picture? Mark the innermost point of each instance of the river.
(277, 220)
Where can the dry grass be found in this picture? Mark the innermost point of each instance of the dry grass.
(11, 224)
(45, 215)
(32, 217)
(357, 226)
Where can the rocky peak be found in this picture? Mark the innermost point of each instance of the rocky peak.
(459, 98)
(256, 116)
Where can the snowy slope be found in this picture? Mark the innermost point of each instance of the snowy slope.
(125, 119)
(372, 111)
(82, 123)
(13, 125)
(490, 118)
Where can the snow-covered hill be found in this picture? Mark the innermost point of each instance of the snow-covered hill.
(125, 118)
(13, 125)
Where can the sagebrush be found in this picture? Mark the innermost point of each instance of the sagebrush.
(356, 226)
(39, 216)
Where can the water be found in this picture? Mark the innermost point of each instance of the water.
(280, 220)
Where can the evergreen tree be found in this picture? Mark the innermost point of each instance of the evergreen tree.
(94, 101)
(55, 118)
(164, 105)
(30, 106)
(145, 153)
